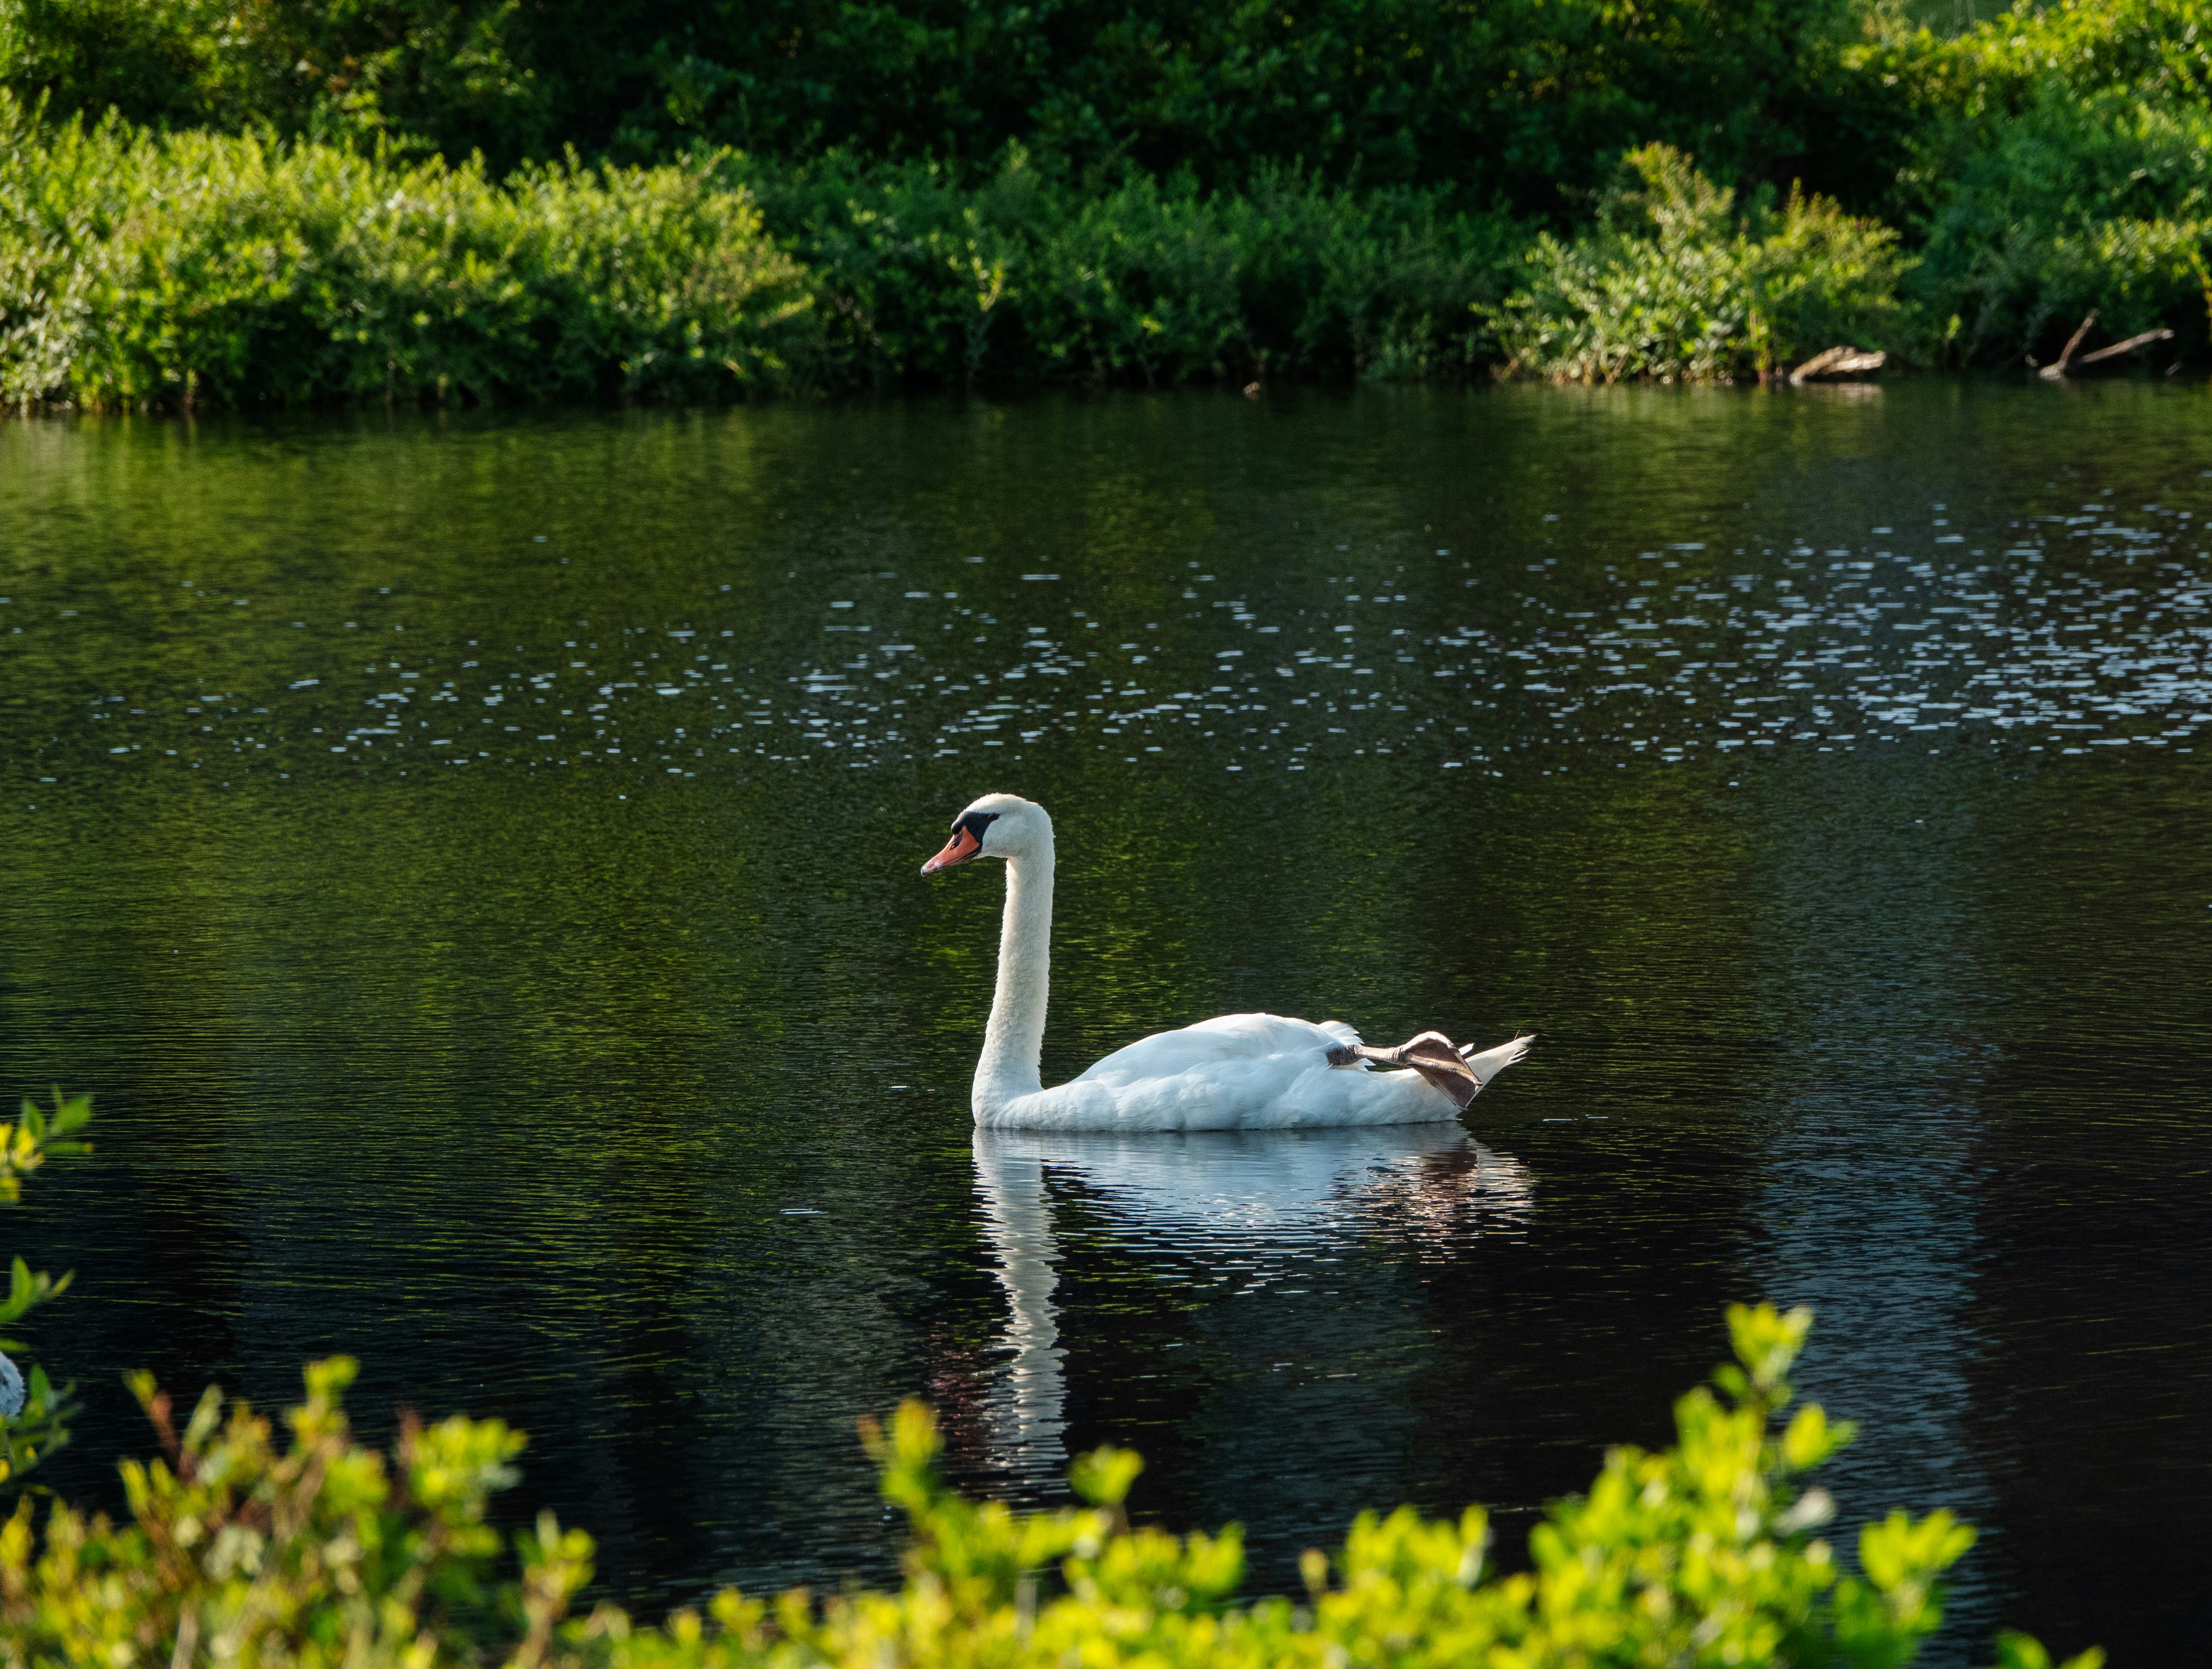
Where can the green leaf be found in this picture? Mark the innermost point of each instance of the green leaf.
(1102, 1476)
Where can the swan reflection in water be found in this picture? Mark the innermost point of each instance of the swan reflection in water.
(1263, 1203)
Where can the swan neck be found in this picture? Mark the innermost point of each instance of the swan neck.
(1014, 1042)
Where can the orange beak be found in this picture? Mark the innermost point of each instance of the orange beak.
(959, 849)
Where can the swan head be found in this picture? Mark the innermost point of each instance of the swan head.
(995, 826)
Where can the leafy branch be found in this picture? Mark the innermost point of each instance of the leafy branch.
(34, 1415)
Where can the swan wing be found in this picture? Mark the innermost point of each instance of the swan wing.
(1240, 1071)
(1294, 1089)
(1220, 1045)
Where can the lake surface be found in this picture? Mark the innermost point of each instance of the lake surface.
(472, 861)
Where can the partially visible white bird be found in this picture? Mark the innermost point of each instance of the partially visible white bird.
(11, 1388)
(1242, 1071)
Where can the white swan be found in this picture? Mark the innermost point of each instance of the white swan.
(1242, 1071)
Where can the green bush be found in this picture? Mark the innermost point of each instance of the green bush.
(153, 58)
(1382, 284)
(2103, 203)
(1673, 282)
(324, 1553)
(431, 74)
(138, 268)
(1025, 277)
(912, 273)
(2055, 163)
(35, 1415)
(1140, 284)
(1528, 99)
(2159, 50)
(1094, 196)
(141, 269)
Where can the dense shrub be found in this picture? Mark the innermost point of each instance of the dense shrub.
(1530, 97)
(145, 55)
(1385, 284)
(320, 1552)
(1096, 192)
(2160, 50)
(139, 268)
(439, 74)
(915, 274)
(34, 1414)
(2055, 162)
(1028, 277)
(1674, 282)
(2073, 203)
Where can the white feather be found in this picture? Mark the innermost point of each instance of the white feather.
(1490, 1062)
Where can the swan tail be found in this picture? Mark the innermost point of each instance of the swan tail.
(1490, 1062)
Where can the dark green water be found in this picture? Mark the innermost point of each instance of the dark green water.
(473, 865)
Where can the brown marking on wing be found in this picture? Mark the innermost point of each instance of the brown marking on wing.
(1432, 1054)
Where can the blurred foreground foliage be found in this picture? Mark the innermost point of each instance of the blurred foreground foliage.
(34, 1414)
(244, 201)
(317, 1551)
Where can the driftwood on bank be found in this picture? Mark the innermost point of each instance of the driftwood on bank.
(1839, 364)
(2119, 350)
(2067, 365)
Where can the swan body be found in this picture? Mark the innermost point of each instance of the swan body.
(1240, 1071)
